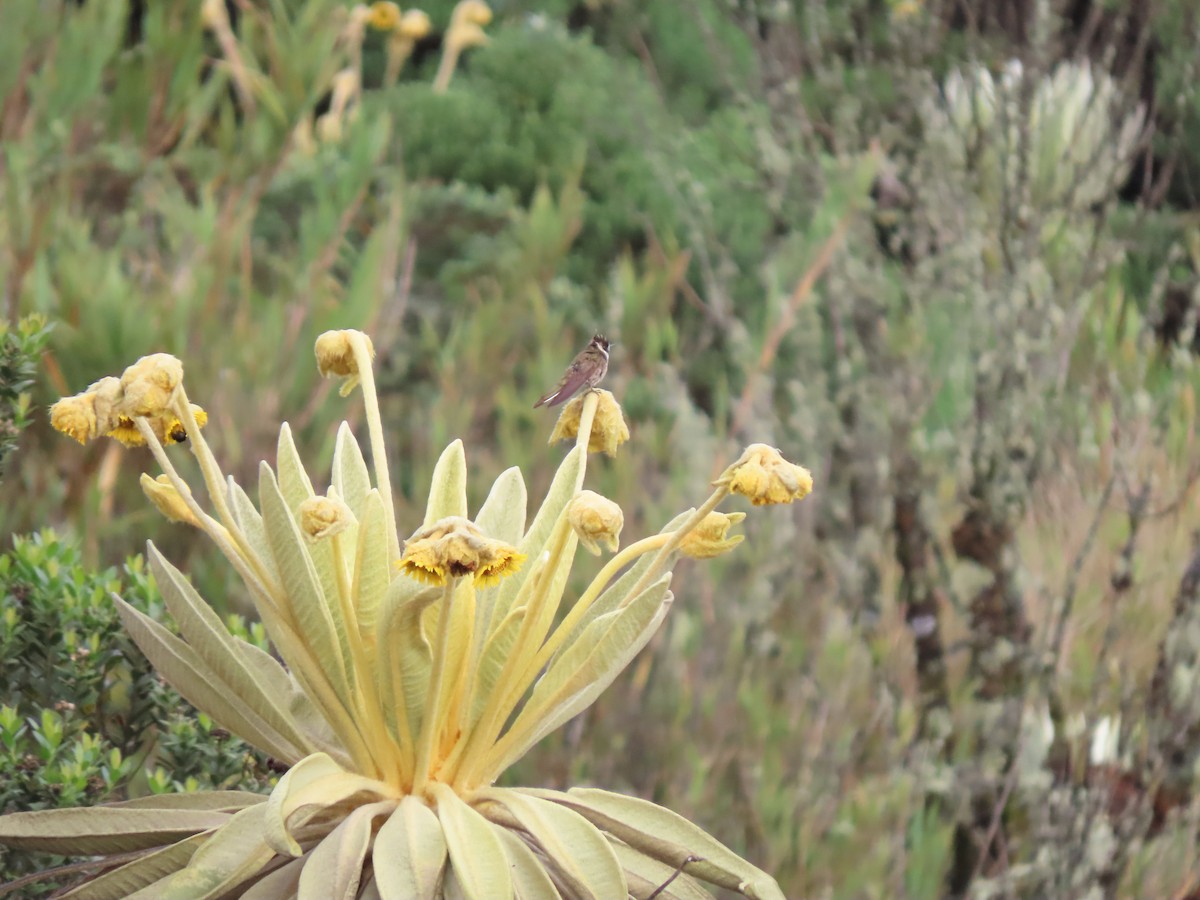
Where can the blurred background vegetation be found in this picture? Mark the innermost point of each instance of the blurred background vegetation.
(944, 253)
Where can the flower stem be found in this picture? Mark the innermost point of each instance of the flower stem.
(587, 417)
(378, 449)
(677, 536)
(431, 718)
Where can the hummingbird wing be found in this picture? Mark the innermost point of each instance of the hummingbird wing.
(575, 378)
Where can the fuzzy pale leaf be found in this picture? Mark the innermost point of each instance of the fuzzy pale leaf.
(410, 853)
(583, 857)
(478, 859)
(448, 489)
(141, 872)
(228, 859)
(667, 837)
(103, 829)
(334, 868)
(182, 667)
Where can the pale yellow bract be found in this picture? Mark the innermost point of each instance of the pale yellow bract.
(406, 676)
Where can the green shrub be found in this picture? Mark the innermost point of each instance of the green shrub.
(83, 717)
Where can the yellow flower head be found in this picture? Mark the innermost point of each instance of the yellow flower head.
(323, 517)
(335, 355)
(75, 416)
(596, 520)
(763, 475)
(609, 430)
(384, 15)
(148, 386)
(454, 547)
(166, 499)
(168, 428)
(414, 25)
(474, 12)
(468, 34)
(708, 539)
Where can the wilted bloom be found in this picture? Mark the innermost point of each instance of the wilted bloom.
(148, 386)
(384, 15)
(763, 475)
(166, 499)
(335, 357)
(455, 547)
(708, 538)
(167, 427)
(323, 517)
(609, 430)
(75, 416)
(596, 520)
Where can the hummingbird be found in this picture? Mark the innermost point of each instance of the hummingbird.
(584, 372)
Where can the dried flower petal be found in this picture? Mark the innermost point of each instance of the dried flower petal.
(455, 547)
(708, 539)
(763, 475)
(609, 430)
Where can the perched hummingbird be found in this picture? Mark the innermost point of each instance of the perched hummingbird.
(585, 372)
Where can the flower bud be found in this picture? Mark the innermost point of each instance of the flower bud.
(166, 499)
(335, 356)
(323, 517)
(708, 539)
(596, 520)
(384, 15)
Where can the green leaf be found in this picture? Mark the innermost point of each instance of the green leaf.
(351, 477)
(615, 594)
(491, 661)
(667, 837)
(646, 875)
(250, 522)
(102, 829)
(308, 771)
(229, 858)
(314, 784)
(572, 684)
(530, 881)
(213, 801)
(296, 487)
(502, 515)
(585, 861)
(410, 853)
(405, 657)
(280, 883)
(312, 612)
(335, 867)
(139, 873)
(477, 857)
(225, 655)
(294, 483)
(372, 569)
(183, 668)
(562, 489)
(448, 490)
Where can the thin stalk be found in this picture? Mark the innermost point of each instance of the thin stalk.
(599, 583)
(677, 536)
(587, 417)
(378, 449)
(499, 707)
(430, 730)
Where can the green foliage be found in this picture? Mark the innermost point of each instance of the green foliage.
(19, 350)
(83, 717)
(670, 173)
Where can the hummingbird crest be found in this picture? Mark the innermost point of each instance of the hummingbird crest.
(584, 373)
